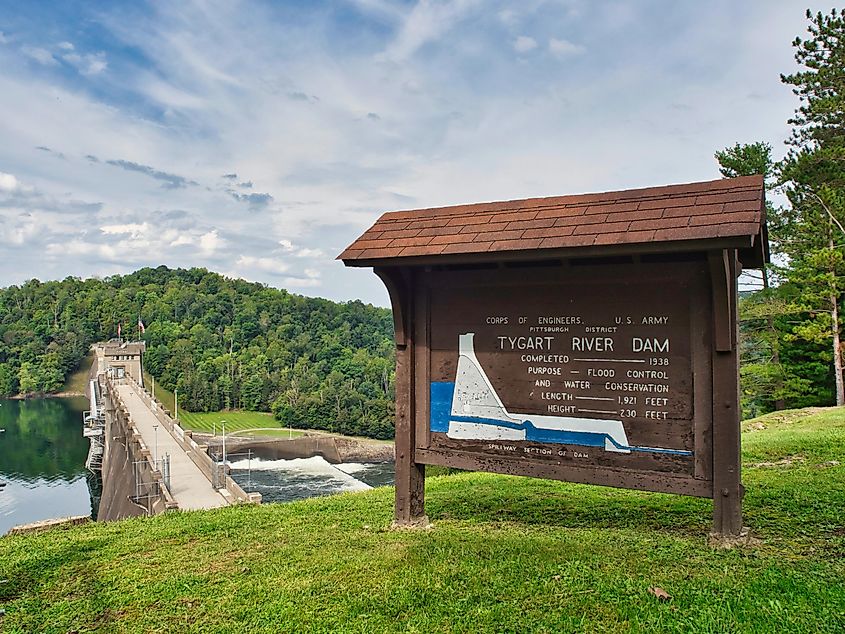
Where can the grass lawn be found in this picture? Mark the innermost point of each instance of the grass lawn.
(260, 423)
(259, 431)
(77, 381)
(506, 554)
(165, 396)
(235, 421)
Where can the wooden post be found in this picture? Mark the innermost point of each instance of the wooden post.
(727, 488)
(410, 476)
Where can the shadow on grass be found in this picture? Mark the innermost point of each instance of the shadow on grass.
(509, 499)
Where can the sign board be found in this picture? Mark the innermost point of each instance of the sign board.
(618, 370)
(594, 371)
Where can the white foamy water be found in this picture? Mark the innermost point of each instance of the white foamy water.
(316, 466)
(352, 467)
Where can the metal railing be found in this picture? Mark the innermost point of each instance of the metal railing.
(217, 476)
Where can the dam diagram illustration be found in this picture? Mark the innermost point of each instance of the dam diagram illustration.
(471, 409)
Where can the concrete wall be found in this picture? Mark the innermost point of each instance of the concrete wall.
(198, 453)
(132, 485)
(334, 449)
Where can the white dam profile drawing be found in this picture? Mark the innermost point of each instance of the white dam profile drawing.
(470, 409)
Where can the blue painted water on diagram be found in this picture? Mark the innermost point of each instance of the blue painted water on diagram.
(443, 392)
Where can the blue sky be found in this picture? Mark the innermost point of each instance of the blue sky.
(259, 139)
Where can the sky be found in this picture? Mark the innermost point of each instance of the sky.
(258, 139)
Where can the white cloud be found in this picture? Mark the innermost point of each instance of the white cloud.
(301, 282)
(298, 251)
(508, 17)
(426, 22)
(95, 64)
(210, 242)
(3, 38)
(462, 119)
(134, 230)
(40, 55)
(88, 64)
(524, 43)
(65, 46)
(182, 240)
(564, 48)
(8, 182)
(310, 278)
(81, 248)
(249, 263)
(23, 229)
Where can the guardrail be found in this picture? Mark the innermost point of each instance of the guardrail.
(215, 472)
(151, 492)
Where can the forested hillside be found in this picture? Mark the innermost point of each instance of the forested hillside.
(225, 344)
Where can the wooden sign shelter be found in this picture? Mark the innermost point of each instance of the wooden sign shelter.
(588, 338)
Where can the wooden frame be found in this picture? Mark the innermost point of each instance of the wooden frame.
(715, 466)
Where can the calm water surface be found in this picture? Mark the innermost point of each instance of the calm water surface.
(42, 461)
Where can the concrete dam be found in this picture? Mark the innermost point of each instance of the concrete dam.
(149, 463)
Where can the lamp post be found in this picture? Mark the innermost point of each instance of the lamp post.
(155, 455)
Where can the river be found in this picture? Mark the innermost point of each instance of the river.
(42, 462)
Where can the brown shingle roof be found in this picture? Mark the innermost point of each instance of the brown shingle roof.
(721, 209)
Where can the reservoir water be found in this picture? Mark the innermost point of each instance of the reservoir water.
(42, 462)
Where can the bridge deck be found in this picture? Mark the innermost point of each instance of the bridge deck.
(188, 485)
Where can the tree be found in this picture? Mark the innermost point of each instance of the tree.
(28, 378)
(8, 380)
(814, 181)
(761, 373)
(224, 343)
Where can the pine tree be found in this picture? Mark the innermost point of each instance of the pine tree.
(762, 374)
(814, 178)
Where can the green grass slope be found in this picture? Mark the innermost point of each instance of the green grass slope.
(77, 381)
(506, 554)
(257, 423)
(236, 421)
(164, 396)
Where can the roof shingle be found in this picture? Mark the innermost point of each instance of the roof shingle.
(725, 208)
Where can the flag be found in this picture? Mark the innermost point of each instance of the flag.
(118, 330)
(141, 326)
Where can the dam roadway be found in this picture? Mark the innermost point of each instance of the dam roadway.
(188, 485)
